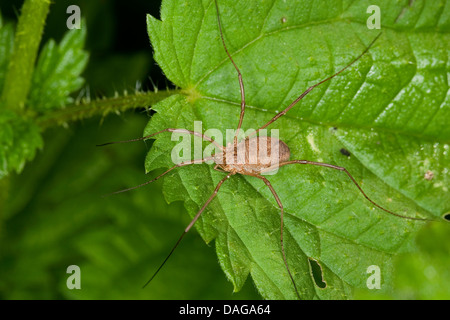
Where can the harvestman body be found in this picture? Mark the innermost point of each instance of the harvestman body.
(246, 159)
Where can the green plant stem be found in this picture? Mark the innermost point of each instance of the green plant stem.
(26, 44)
(87, 109)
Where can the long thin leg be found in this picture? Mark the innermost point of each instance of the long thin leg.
(321, 164)
(195, 133)
(282, 113)
(267, 182)
(182, 164)
(190, 225)
(241, 83)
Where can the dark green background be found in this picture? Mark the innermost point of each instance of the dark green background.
(56, 215)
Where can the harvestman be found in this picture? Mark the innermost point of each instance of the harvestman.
(253, 165)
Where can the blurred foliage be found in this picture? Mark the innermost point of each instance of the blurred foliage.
(423, 274)
(57, 217)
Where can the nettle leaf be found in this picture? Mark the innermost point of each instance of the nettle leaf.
(58, 70)
(388, 111)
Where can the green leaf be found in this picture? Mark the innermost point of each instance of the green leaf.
(19, 140)
(55, 77)
(390, 110)
(58, 70)
(423, 274)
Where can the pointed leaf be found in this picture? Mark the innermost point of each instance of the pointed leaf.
(388, 111)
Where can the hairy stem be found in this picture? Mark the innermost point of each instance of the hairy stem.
(26, 44)
(89, 108)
